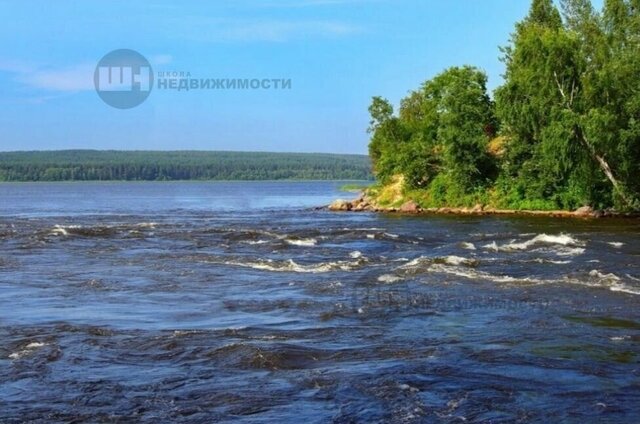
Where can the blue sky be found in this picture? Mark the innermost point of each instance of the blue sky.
(338, 53)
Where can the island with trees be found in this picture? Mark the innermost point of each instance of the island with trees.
(561, 133)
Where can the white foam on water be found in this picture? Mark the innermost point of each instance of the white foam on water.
(457, 260)
(570, 251)
(619, 338)
(564, 245)
(308, 242)
(62, 230)
(407, 387)
(389, 278)
(492, 246)
(607, 277)
(428, 261)
(549, 261)
(624, 289)
(147, 225)
(473, 274)
(371, 236)
(292, 266)
(255, 242)
(355, 254)
(467, 245)
(28, 349)
(463, 267)
(616, 244)
(562, 239)
(608, 281)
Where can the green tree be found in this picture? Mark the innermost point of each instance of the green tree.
(465, 124)
(443, 128)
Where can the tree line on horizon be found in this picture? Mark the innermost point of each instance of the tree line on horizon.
(94, 165)
(562, 131)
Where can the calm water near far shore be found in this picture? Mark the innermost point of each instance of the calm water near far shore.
(239, 302)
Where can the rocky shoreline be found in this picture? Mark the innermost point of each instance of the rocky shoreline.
(364, 203)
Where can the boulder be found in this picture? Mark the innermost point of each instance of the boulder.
(477, 208)
(584, 211)
(340, 205)
(362, 206)
(410, 207)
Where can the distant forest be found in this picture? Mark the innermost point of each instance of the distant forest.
(94, 165)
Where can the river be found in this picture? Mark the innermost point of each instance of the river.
(240, 302)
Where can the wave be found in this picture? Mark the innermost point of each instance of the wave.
(564, 244)
(306, 242)
(449, 260)
(474, 274)
(27, 350)
(603, 276)
(624, 289)
(467, 245)
(292, 266)
(599, 279)
(99, 230)
(255, 242)
(389, 278)
(466, 268)
(257, 237)
(548, 261)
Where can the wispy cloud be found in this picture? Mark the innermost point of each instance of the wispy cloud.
(231, 30)
(72, 78)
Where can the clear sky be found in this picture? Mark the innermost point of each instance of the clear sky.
(338, 53)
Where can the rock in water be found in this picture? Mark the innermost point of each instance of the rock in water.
(340, 205)
(410, 207)
(584, 211)
(477, 208)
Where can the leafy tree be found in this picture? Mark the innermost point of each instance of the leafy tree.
(443, 128)
(465, 123)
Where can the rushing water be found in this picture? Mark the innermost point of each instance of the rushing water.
(239, 302)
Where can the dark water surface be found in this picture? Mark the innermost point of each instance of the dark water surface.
(237, 302)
